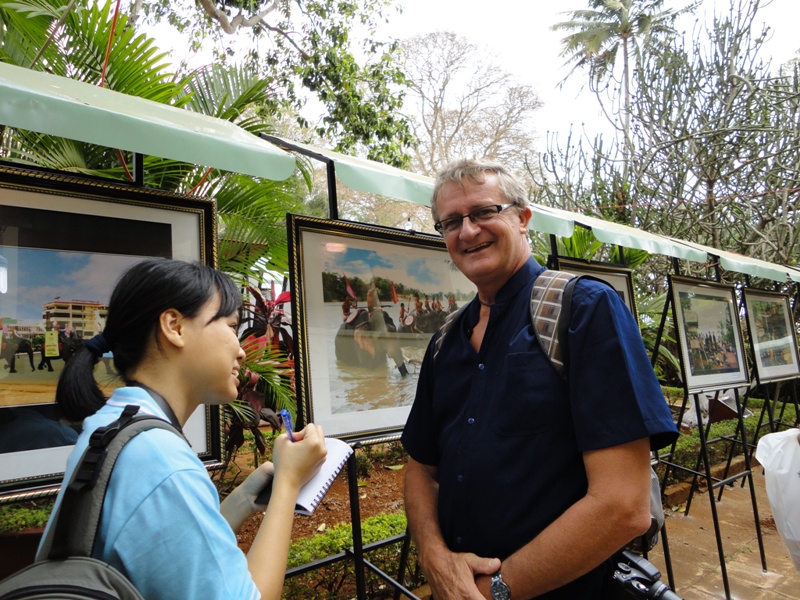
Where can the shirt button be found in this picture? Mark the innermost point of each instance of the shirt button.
(460, 478)
(470, 421)
(459, 540)
(481, 367)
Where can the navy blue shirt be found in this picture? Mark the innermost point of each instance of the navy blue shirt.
(506, 432)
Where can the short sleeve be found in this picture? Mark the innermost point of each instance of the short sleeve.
(614, 392)
(166, 530)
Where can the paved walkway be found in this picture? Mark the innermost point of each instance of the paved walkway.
(695, 560)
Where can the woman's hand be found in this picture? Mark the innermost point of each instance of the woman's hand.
(296, 462)
(240, 504)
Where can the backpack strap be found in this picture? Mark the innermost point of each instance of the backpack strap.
(550, 308)
(77, 519)
(551, 297)
(449, 321)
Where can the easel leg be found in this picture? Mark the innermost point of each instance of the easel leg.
(355, 520)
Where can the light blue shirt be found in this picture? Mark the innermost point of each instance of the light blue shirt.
(161, 525)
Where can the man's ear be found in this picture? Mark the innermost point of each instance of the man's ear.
(525, 218)
(170, 326)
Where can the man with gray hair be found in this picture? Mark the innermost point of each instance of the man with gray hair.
(521, 484)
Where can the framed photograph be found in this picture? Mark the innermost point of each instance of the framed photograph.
(620, 278)
(707, 324)
(366, 302)
(63, 243)
(772, 334)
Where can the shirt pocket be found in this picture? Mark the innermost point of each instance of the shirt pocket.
(531, 397)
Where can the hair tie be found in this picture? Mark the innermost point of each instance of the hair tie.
(98, 345)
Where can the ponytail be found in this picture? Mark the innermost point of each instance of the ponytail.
(77, 394)
(141, 295)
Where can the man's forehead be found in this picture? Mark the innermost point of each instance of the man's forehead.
(474, 192)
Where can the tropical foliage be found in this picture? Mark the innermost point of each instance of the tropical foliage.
(599, 36)
(305, 49)
(90, 43)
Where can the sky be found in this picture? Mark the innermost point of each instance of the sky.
(428, 270)
(527, 48)
(518, 34)
(47, 274)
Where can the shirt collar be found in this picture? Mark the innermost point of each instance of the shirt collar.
(518, 281)
(136, 395)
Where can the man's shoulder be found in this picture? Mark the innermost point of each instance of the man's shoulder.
(589, 287)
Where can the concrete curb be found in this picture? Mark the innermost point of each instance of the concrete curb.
(678, 493)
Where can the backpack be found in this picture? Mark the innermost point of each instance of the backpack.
(65, 567)
(550, 309)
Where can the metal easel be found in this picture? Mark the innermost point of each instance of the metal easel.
(703, 461)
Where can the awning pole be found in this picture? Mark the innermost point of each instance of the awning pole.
(138, 169)
(330, 169)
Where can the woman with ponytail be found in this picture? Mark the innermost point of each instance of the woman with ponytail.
(172, 330)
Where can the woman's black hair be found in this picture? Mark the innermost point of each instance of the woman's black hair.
(141, 295)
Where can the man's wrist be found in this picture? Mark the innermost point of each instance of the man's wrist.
(498, 589)
(484, 583)
(431, 555)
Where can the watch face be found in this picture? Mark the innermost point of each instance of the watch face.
(499, 589)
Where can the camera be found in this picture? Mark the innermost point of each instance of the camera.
(636, 577)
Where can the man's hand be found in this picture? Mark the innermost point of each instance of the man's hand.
(452, 575)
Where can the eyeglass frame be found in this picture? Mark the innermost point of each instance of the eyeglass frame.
(471, 215)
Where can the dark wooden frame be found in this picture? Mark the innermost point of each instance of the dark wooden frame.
(54, 213)
(717, 302)
(764, 341)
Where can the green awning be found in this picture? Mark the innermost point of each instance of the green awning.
(79, 111)
(373, 177)
(739, 263)
(562, 223)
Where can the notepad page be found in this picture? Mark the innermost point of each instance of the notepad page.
(312, 493)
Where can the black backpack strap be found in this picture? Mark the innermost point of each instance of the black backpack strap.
(78, 517)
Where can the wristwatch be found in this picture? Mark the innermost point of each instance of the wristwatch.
(499, 589)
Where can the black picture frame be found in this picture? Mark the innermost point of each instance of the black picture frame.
(347, 373)
(706, 317)
(772, 334)
(64, 241)
(620, 278)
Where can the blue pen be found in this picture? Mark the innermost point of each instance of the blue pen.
(287, 423)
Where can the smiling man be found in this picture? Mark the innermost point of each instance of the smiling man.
(519, 484)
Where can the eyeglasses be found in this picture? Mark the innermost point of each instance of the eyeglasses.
(477, 216)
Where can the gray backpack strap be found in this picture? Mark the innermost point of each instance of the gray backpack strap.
(550, 298)
(446, 326)
(82, 503)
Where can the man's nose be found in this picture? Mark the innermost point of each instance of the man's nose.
(468, 228)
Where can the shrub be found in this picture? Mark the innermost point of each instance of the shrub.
(687, 449)
(24, 515)
(337, 580)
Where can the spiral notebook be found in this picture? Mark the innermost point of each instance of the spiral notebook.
(314, 490)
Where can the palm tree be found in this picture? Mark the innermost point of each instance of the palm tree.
(603, 32)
